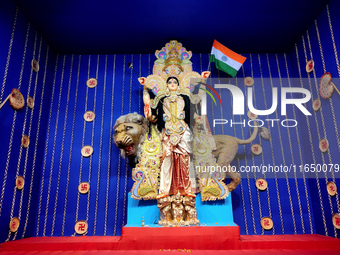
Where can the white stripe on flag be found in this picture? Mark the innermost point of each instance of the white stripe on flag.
(225, 59)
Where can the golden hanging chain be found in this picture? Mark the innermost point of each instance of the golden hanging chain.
(291, 151)
(71, 149)
(8, 59)
(119, 158)
(272, 150)
(262, 155)
(301, 161)
(247, 174)
(54, 146)
(309, 131)
(83, 139)
(110, 146)
(322, 116)
(36, 144)
(92, 139)
(62, 147)
(25, 118)
(100, 148)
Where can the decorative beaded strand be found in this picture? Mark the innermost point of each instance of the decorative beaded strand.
(301, 160)
(272, 150)
(46, 147)
(29, 135)
(71, 149)
(25, 118)
(83, 138)
(8, 60)
(293, 160)
(92, 139)
(119, 158)
(54, 146)
(36, 145)
(62, 147)
(322, 118)
(110, 147)
(309, 129)
(100, 150)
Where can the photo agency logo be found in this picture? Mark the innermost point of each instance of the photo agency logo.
(270, 95)
(263, 105)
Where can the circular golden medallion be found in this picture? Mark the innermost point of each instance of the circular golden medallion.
(336, 220)
(91, 83)
(19, 182)
(331, 188)
(81, 227)
(16, 100)
(256, 149)
(261, 184)
(14, 224)
(89, 116)
(87, 151)
(310, 66)
(30, 102)
(35, 65)
(84, 187)
(251, 115)
(249, 81)
(316, 104)
(25, 141)
(323, 144)
(267, 223)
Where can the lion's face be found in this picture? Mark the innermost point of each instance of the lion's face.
(127, 138)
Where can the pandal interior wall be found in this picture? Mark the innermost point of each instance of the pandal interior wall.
(19, 45)
(53, 167)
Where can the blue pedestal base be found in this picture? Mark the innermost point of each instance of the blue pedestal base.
(209, 213)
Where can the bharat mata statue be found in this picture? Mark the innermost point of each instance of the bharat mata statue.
(172, 140)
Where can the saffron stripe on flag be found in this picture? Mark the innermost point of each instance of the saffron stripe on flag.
(229, 53)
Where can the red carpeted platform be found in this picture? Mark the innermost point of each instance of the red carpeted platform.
(175, 240)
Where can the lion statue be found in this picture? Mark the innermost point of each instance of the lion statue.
(130, 130)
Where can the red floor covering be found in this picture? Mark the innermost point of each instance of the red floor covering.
(195, 240)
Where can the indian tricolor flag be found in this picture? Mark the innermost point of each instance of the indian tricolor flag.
(225, 59)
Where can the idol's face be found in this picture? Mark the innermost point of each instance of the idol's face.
(172, 84)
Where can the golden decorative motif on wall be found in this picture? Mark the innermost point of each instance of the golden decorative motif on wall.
(332, 188)
(316, 104)
(248, 81)
(261, 184)
(35, 65)
(19, 182)
(323, 144)
(30, 102)
(89, 116)
(310, 66)
(336, 220)
(25, 141)
(84, 187)
(267, 223)
(86, 151)
(14, 224)
(81, 227)
(91, 83)
(256, 149)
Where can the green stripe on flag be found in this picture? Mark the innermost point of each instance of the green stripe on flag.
(223, 66)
